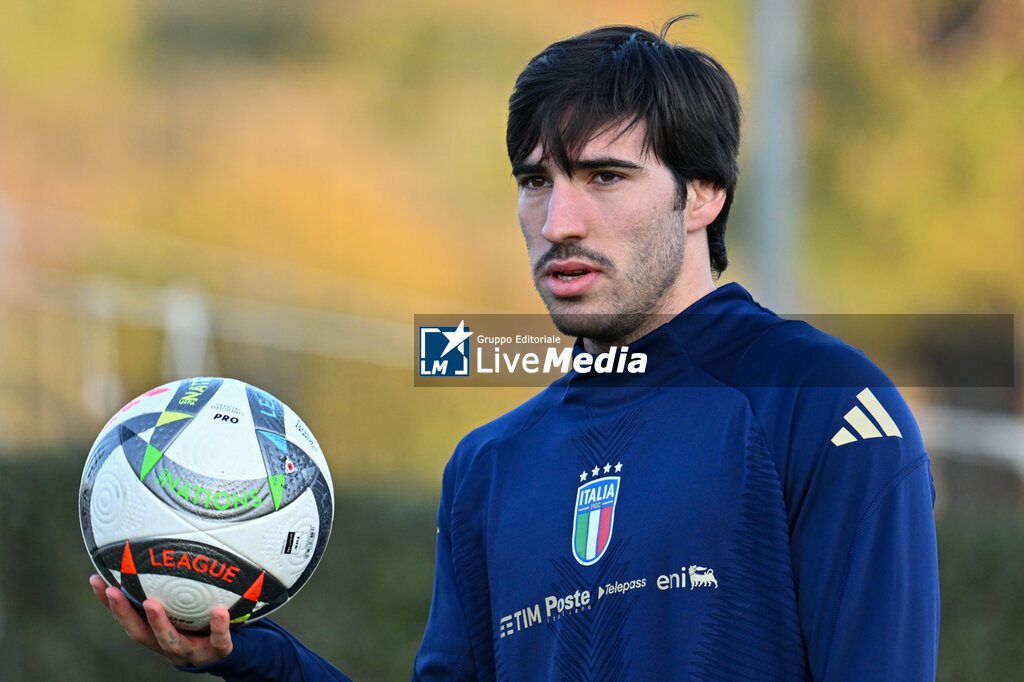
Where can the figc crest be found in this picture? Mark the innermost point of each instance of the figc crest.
(595, 514)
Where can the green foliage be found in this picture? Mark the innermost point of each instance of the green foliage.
(365, 607)
(914, 151)
(179, 32)
(980, 562)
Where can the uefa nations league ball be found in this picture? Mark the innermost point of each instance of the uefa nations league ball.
(206, 492)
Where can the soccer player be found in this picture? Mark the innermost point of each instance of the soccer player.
(756, 506)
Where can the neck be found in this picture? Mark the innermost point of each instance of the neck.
(686, 292)
(693, 283)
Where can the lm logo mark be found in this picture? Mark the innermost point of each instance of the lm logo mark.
(444, 351)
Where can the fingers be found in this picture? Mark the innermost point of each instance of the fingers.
(129, 619)
(158, 633)
(220, 633)
(188, 649)
(99, 589)
(171, 643)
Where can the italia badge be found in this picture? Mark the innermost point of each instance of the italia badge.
(595, 514)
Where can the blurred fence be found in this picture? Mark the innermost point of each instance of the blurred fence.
(81, 331)
(77, 343)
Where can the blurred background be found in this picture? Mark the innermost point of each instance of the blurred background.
(271, 190)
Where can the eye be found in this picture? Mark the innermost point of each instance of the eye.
(606, 177)
(533, 182)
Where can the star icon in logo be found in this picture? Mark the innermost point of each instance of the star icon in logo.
(456, 338)
(583, 476)
(607, 468)
(618, 467)
(596, 471)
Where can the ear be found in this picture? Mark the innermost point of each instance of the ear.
(704, 202)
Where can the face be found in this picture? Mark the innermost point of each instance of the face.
(606, 240)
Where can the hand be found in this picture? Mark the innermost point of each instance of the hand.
(157, 632)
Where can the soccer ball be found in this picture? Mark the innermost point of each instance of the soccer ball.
(206, 492)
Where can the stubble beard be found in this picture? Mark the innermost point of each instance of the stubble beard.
(637, 302)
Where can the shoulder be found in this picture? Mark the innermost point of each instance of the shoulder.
(827, 411)
(803, 385)
(741, 343)
(477, 445)
(793, 353)
(798, 377)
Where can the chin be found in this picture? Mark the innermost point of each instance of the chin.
(606, 328)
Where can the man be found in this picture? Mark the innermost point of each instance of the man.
(758, 505)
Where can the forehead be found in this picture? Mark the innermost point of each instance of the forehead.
(623, 142)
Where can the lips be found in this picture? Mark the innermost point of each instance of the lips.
(567, 279)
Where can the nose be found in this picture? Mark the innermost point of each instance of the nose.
(566, 214)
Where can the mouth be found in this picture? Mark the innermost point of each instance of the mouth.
(569, 275)
(568, 279)
(568, 270)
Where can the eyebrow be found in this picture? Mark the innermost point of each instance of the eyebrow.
(581, 164)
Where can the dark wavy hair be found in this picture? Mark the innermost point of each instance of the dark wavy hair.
(580, 87)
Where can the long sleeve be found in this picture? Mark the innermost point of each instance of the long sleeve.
(859, 504)
(863, 540)
(886, 621)
(445, 652)
(264, 651)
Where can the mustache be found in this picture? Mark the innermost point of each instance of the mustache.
(570, 251)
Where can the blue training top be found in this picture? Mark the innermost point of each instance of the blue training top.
(758, 505)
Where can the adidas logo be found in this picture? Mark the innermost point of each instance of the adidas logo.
(862, 424)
